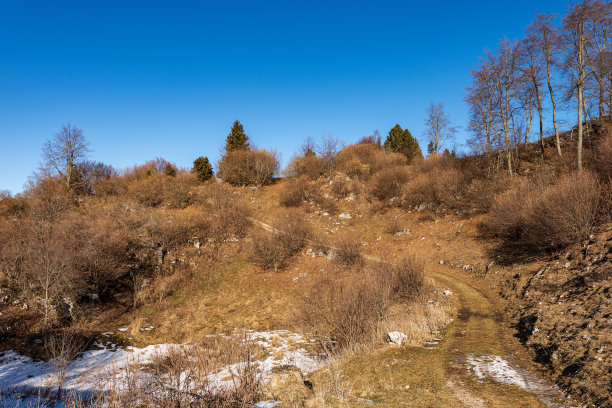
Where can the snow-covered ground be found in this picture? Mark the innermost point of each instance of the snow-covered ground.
(97, 370)
(506, 372)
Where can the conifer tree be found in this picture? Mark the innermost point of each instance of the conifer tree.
(401, 141)
(237, 139)
(169, 170)
(202, 168)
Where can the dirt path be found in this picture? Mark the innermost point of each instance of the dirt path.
(481, 346)
(477, 362)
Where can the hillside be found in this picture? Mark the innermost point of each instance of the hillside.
(305, 277)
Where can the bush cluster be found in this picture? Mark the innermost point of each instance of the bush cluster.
(536, 219)
(346, 311)
(271, 250)
(248, 167)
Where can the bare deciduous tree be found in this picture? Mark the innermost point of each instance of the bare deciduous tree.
(575, 37)
(544, 34)
(438, 127)
(502, 67)
(64, 152)
(598, 44)
(482, 120)
(533, 77)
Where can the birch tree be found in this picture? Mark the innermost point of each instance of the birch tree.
(545, 36)
(533, 77)
(598, 43)
(575, 37)
(504, 75)
(438, 127)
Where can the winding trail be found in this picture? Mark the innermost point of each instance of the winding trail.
(481, 363)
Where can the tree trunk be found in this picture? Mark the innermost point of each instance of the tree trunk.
(539, 100)
(580, 93)
(554, 106)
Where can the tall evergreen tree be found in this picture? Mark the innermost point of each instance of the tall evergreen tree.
(401, 141)
(202, 168)
(237, 139)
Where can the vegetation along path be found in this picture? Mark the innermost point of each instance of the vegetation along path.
(476, 362)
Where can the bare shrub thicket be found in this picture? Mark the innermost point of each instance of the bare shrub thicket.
(295, 192)
(347, 251)
(539, 219)
(60, 348)
(342, 187)
(388, 183)
(248, 167)
(345, 312)
(602, 163)
(174, 229)
(363, 160)
(271, 250)
(441, 188)
(322, 200)
(311, 166)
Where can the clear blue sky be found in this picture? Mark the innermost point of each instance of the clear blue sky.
(147, 79)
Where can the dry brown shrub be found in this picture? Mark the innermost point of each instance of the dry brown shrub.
(436, 162)
(480, 192)
(178, 191)
(248, 167)
(408, 276)
(602, 163)
(345, 312)
(148, 190)
(388, 183)
(363, 160)
(172, 229)
(180, 377)
(322, 201)
(442, 187)
(12, 206)
(233, 222)
(347, 251)
(295, 192)
(216, 195)
(559, 215)
(567, 211)
(272, 249)
(311, 166)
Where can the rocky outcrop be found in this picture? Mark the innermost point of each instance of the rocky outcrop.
(563, 312)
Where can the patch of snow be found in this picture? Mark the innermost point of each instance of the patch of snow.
(122, 329)
(345, 216)
(505, 372)
(266, 404)
(109, 365)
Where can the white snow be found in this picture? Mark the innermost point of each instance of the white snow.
(98, 370)
(500, 370)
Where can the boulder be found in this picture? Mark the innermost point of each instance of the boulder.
(287, 384)
(396, 337)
